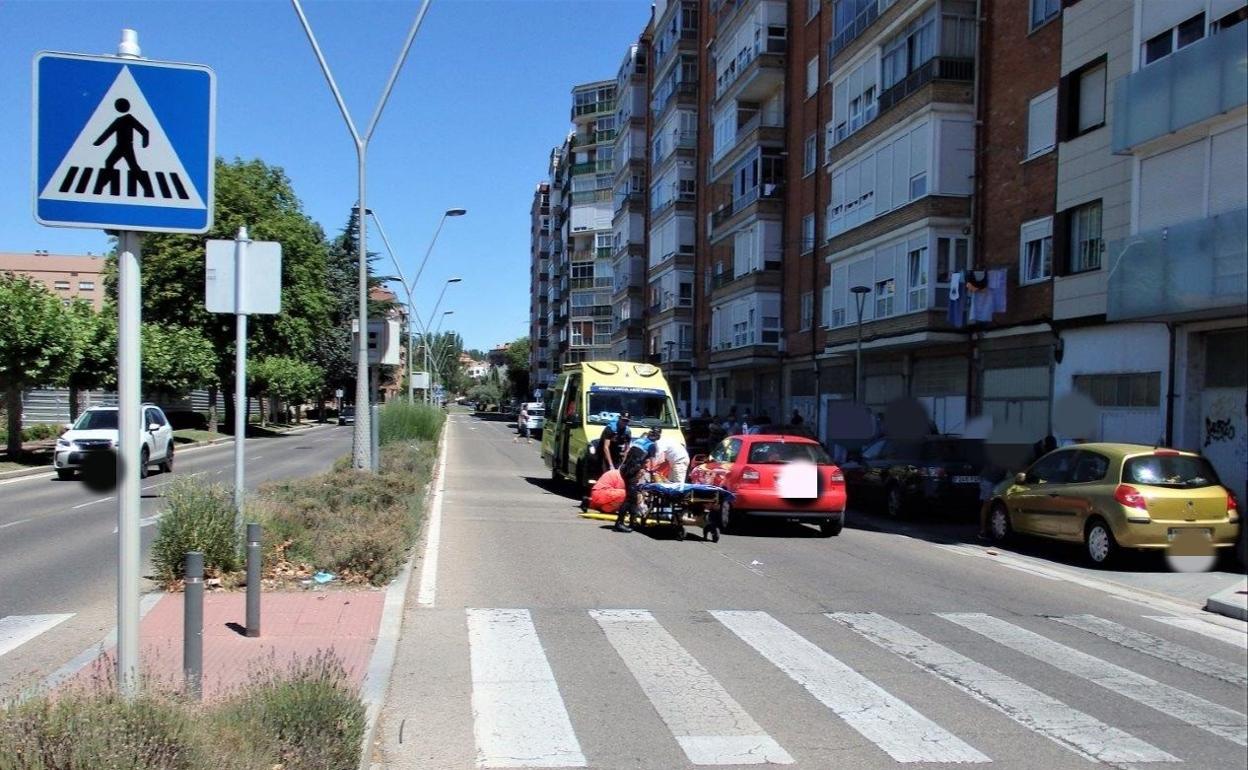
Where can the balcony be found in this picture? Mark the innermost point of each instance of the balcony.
(678, 92)
(1195, 83)
(593, 167)
(855, 28)
(756, 73)
(666, 147)
(772, 193)
(933, 69)
(594, 137)
(1191, 270)
(604, 107)
(591, 196)
(684, 199)
(765, 277)
(766, 130)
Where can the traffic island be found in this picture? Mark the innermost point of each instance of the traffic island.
(1231, 602)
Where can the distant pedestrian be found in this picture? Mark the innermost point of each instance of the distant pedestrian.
(523, 424)
(796, 419)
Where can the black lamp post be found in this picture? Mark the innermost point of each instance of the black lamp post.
(860, 296)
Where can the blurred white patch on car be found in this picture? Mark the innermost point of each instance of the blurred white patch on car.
(798, 481)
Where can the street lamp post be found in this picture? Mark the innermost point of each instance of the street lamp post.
(410, 288)
(436, 305)
(860, 296)
(362, 445)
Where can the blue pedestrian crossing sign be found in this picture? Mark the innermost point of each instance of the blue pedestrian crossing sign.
(123, 144)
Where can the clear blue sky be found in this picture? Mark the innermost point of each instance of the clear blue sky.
(484, 95)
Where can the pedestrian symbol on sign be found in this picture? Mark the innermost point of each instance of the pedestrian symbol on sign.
(123, 131)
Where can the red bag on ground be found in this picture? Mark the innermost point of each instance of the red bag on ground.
(608, 493)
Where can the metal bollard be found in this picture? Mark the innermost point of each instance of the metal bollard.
(253, 580)
(193, 626)
(375, 423)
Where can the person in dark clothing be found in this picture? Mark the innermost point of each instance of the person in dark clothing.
(639, 453)
(796, 419)
(614, 440)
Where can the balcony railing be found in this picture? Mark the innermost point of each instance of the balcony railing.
(593, 108)
(747, 56)
(593, 167)
(663, 101)
(592, 196)
(767, 191)
(1197, 82)
(933, 69)
(603, 252)
(855, 28)
(1186, 269)
(759, 121)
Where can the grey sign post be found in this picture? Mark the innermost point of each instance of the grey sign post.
(243, 277)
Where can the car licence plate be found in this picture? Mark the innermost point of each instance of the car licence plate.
(1187, 532)
(965, 479)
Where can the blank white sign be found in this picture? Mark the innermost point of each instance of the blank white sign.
(262, 278)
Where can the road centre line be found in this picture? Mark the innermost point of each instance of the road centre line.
(15, 523)
(1173, 702)
(710, 726)
(1081, 733)
(885, 720)
(93, 502)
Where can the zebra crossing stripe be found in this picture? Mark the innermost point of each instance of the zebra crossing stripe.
(16, 630)
(1158, 647)
(519, 718)
(1083, 734)
(888, 722)
(1196, 625)
(1171, 701)
(709, 725)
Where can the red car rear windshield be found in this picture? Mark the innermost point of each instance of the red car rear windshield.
(1175, 471)
(766, 452)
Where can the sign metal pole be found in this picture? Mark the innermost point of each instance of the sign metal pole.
(240, 378)
(129, 452)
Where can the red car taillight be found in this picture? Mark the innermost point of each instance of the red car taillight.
(1129, 496)
(836, 475)
(750, 475)
(1232, 506)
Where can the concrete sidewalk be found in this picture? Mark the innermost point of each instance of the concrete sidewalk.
(293, 625)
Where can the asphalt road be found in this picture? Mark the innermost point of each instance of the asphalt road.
(58, 543)
(552, 641)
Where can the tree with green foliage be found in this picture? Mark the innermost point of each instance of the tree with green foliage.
(285, 379)
(518, 367)
(176, 361)
(259, 196)
(38, 345)
(96, 367)
(486, 393)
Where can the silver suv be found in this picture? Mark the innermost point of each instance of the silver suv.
(96, 431)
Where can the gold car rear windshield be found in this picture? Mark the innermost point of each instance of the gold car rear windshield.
(1177, 471)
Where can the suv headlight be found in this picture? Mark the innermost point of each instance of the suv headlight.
(64, 444)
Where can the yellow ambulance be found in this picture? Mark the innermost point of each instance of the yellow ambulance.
(588, 395)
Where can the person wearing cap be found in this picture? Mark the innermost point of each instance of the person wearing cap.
(613, 442)
(640, 452)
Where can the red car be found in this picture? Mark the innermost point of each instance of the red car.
(783, 478)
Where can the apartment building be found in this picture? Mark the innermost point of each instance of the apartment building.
(588, 233)
(740, 223)
(70, 277)
(557, 274)
(632, 88)
(673, 194)
(1015, 200)
(1174, 277)
(899, 160)
(541, 234)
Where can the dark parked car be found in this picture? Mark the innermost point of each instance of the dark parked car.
(347, 416)
(936, 472)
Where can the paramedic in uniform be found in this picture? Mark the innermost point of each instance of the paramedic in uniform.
(639, 453)
(675, 456)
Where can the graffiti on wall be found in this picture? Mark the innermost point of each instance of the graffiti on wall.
(1219, 430)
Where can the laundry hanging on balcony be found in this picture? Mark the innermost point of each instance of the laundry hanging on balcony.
(957, 311)
(975, 296)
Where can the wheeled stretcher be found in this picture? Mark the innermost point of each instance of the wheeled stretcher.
(672, 504)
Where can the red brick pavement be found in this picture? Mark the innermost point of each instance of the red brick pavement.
(293, 625)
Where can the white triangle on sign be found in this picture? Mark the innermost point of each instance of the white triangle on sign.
(85, 176)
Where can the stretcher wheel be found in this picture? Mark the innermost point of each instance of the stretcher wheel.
(680, 533)
(714, 534)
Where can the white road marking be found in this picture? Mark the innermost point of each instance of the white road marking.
(1158, 647)
(709, 725)
(16, 630)
(429, 565)
(15, 523)
(82, 659)
(518, 716)
(888, 722)
(146, 521)
(1196, 625)
(93, 502)
(1083, 734)
(20, 479)
(1171, 701)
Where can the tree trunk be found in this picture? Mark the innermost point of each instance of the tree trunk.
(75, 403)
(260, 401)
(212, 410)
(13, 408)
(320, 408)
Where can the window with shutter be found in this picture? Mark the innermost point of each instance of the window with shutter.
(1092, 98)
(1042, 124)
(1036, 250)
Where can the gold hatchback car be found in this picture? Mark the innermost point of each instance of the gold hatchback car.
(1112, 496)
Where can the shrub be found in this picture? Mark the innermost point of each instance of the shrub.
(97, 730)
(404, 421)
(41, 431)
(349, 522)
(197, 518)
(309, 716)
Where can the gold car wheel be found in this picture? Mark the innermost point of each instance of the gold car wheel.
(1100, 542)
